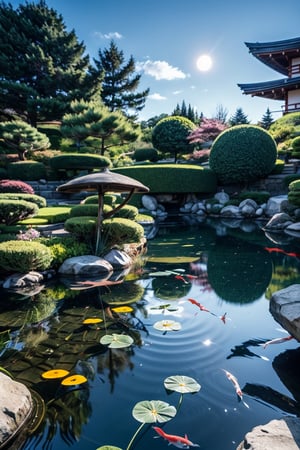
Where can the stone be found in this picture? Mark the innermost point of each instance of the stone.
(149, 202)
(230, 211)
(247, 210)
(276, 204)
(285, 308)
(248, 202)
(279, 434)
(22, 280)
(279, 221)
(222, 197)
(118, 259)
(86, 265)
(16, 407)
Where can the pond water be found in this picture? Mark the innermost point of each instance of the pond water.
(227, 269)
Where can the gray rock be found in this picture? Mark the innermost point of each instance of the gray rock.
(16, 406)
(247, 210)
(285, 308)
(230, 211)
(279, 221)
(276, 204)
(149, 202)
(23, 280)
(282, 434)
(86, 265)
(222, 197)
(248, 202)
(118, 259)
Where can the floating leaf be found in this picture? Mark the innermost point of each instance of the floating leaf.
(108, 447)
(116, 340)
(122, 309)
(73, 380)
(151, 411)
(182, 384)
(55, 374)
(167, 325)
(92, 320)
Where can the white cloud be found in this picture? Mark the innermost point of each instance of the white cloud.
(177, 92)
(111, 35)
(160, 70)
(157, 96)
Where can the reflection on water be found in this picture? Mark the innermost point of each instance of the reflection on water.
(194, 275)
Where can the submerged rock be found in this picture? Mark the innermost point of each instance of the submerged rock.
(85, 265)
(285, 308)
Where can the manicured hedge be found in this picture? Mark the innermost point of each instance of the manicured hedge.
(26, 170)
(78, 161)
(172, 178)
(294, 193)
(37, 199)
(88, 210)
(24, 256)
(11, 211)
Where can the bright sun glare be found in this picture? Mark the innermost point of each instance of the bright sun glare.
(204, 63)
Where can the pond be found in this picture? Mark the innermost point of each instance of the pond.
(197, 306)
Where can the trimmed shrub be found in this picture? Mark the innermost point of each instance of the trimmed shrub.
(146, 154)
(11, 211)
(32, 198)
(24, 256)
(294, 193)
(26, 170)
(119, 231)
(109, 199)
(54, 214)
(128, 212)
(242, 153)
(289, 178)
(14, 186)
(64, 247)
(258, 196)
(88, 210)
(172, 178)
(278, 168)
(84, 227)
(79, 161)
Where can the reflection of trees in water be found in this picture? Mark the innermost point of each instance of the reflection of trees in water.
(286, 271)
(237, 271)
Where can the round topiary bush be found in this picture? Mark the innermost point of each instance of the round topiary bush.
(88, 210)
(24, 256)
(12, 211)
(14, 186)
(146, 154)
(294, 193)
(26, 170)
(242, 153)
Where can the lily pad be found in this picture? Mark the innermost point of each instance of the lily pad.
(122, 309)
(167, 325)
(108, 447)
(74, 380)
(92, 320)
(116, 340)
(54, 374)
(151, 411)
(182, 384)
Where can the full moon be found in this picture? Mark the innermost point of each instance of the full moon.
(204, 63)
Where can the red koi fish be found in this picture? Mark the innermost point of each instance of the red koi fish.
(177, 441)
(236, 385)
(278, 340)
(200, 306)
(280, 250)
(179, 277)
(223, 318)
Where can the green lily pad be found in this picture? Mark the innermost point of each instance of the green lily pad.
(108, 447)
(182, 384)
(151, 411)
(167, 325)
(116, 340)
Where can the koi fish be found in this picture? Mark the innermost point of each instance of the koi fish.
(177, 441)
(236, 385)
(223, 318)
(278, 340)
(180, 277)
(200, 306)
(280, 250)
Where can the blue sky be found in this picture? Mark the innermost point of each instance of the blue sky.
(166, 37)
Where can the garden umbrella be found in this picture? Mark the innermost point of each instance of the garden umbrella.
(101, 182)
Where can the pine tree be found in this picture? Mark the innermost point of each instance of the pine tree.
(43, 66)
(91, 119)
(238, 118)
(120, 82)
(266, 120)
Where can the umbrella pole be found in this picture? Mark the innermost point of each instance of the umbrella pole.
(99, 221)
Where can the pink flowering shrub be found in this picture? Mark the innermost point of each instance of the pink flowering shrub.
(28, 235)
(14, 186)
(207, 131)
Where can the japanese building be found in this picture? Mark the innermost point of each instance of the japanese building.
(284, 57)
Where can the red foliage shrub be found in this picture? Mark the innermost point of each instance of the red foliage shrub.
(15, 186)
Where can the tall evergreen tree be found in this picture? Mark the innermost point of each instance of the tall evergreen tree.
(42, 65)
(120, 82)
(238, 118)
(266, 120)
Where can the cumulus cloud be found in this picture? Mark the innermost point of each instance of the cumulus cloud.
(111, 35)
(157, 96)
(177, 92)
(160, 70)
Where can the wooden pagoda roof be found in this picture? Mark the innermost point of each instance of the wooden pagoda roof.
(277, 54)
(274, 90)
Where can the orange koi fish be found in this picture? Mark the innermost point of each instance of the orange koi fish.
(180, 277)
(223, 318)
(236, 385)
(278, 340)
(280, 250)
(177, 441)
(200, 306)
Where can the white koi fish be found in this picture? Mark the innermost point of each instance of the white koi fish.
(236, 385)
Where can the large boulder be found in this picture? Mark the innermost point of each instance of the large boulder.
(16, 407)
(276, 204)
(285, 308)
(86, 265)
(278, 222)
(276, 435)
